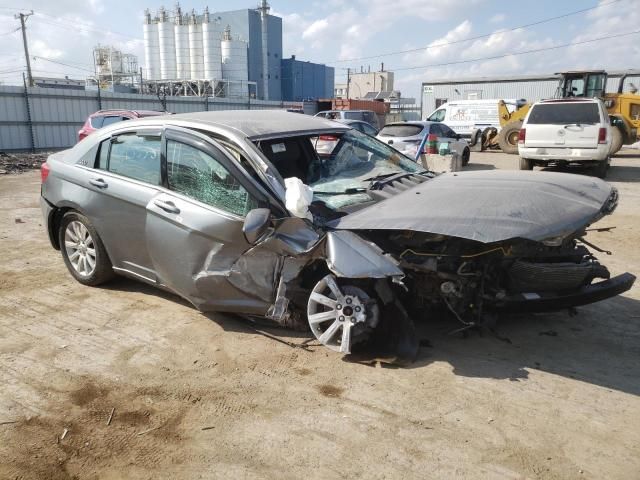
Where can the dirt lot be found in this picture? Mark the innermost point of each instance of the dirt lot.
(195, 396)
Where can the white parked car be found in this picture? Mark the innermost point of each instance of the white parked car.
(406, 137)
(567, 131)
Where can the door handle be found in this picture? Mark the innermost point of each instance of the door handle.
(166, 206)
(98, 182)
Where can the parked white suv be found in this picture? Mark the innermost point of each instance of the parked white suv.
(567, 131)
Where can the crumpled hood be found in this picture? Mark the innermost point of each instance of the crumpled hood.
(491, 206)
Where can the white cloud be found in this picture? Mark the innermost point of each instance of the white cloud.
(498, 17)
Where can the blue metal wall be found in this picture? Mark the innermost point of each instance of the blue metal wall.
(306, 80)
(246, 25)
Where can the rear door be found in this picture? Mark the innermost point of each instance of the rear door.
(126, 177)
(194, 227)
(563, 125)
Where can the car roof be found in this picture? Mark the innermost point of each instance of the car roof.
(338, 111)
(570, 100)
(253, 124)
(422, 123)
(139, 113)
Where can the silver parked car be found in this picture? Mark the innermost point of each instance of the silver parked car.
(406, 137)
(236, 212)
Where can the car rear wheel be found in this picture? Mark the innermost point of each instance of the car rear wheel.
(508, 137)
(341, 315)
(82, 250)
(526, 164)
(616, 140)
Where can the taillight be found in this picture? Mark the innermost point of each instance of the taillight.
(602, 135)
(522, 135)
(44, 172)
(328, 138)
(431, 146)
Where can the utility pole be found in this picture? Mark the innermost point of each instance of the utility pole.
(23, 19)
(348, 81)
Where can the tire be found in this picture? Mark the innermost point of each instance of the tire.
(508, 137)
(617, 140)
(466, 156)
(601, 169)
(78, 239)
(526, 164)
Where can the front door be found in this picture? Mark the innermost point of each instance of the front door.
(194, 227)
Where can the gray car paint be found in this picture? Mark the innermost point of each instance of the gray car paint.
(489, 206)
(202, 255)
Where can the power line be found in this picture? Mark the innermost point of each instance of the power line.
(63, 63)
(524, 52)
(477, 37)
(9, 33)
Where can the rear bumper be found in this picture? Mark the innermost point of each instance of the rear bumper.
(47, 214)
(544, 302)
(565, 154)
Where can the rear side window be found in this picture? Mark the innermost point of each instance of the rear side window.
(134, 156)
(564, 113)
(401, 130)
(97, 122)
(353, 115)
(201, 177)
(112, 119)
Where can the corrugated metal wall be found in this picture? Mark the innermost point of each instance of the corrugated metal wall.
(55, 115)
(531, 90)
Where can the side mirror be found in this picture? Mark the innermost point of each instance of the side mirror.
(256, 223)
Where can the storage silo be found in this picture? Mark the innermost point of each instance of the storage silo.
(183, 59)
(195, 48)
(167, 48)
(235, 69)
(151, 46)
(211, 35)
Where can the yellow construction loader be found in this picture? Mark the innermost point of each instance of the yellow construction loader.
(623, 108)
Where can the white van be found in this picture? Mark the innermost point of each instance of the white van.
(466, 116)
(567, 131)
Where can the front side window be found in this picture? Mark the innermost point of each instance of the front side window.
(437, 116)
(134, 156)
(197, 175)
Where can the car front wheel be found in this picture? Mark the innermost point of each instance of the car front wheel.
(82, 250)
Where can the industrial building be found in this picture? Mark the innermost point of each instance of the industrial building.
(305, 80)
(233, 54)
(361, 84)
(529, 87)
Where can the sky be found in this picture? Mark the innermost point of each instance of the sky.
(340, 33)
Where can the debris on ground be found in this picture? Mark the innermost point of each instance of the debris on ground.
(21, 162)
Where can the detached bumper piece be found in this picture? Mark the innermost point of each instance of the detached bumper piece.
(547, 301)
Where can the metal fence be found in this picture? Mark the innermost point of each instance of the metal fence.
(49, 118)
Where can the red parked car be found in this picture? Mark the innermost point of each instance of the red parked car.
(102, 118)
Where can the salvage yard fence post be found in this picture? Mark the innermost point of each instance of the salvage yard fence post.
(29, 119)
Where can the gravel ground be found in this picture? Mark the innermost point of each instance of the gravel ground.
(206, 396)
(21, 162)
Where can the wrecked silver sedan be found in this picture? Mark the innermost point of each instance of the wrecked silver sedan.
(238, 212)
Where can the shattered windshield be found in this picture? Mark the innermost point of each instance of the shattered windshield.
(349, 163)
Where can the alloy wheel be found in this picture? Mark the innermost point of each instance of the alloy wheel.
(80, 248)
